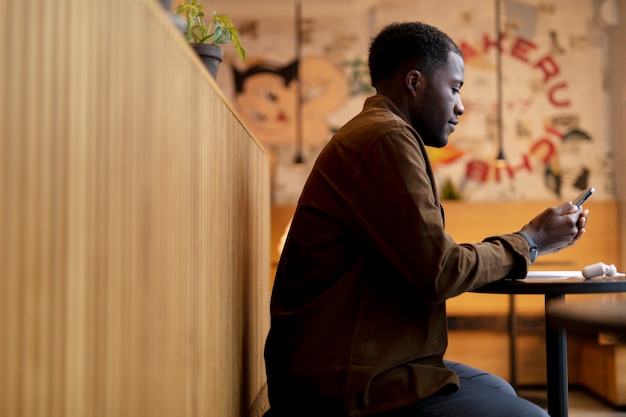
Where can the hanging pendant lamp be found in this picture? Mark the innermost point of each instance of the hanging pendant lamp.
(500, 158)
(299, 159)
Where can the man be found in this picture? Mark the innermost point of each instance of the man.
(358, 322)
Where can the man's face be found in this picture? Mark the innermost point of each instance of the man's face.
(436, 110)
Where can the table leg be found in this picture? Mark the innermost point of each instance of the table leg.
(512, 342)
(556, 366)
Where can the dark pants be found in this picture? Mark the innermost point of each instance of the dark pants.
(481, 395)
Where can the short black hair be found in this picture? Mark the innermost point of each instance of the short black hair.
(410, 42)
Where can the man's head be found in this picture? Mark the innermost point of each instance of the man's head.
(421, 69)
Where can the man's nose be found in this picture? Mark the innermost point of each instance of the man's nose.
(459, 109)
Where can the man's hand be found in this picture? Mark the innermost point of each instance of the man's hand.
(557, 227)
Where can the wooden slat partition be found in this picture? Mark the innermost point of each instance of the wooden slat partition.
(134, 220)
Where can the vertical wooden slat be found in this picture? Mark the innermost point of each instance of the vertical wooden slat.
(134, 221)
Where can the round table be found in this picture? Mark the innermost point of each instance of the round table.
(554, 286)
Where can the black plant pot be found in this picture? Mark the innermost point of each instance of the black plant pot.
(210, 55)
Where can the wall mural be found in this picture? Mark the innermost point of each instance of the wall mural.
(555, 127)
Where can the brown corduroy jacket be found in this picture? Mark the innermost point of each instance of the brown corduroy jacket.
(358, 317)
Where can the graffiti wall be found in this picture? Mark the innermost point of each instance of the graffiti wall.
(293, 93)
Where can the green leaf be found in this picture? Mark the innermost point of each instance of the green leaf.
(220, 31)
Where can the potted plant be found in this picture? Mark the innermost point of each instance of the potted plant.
(206, 38)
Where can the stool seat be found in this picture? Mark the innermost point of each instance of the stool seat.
(589, 317)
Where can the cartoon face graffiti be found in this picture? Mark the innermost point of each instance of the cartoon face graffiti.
(267, 98)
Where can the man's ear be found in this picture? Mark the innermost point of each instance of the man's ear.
(412, 80)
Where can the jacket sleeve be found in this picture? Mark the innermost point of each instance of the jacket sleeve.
(397, 207)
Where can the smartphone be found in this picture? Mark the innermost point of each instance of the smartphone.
(584, 195)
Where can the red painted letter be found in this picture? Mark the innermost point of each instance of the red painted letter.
(548, 66)
(521, 48)
(553, 100)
